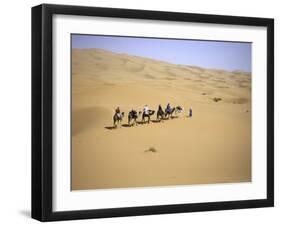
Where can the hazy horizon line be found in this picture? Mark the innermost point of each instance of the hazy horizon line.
(164, 61)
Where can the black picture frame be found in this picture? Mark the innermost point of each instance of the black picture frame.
(42, 106)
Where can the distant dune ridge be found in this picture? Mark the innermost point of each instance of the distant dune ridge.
(214, 146)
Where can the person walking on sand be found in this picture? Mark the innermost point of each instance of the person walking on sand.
(190, 112)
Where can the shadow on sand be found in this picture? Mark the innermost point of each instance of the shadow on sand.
(126, 125)
(157, 120)
(115, 127)
(110, 127)
(143, 122)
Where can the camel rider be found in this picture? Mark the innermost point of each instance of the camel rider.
(146, 110)
(160, 108)
(134, 113)
(169, 109)
(118, 112)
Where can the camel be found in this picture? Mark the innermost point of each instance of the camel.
(178, 109)
(169, 113)
(117, 118)
(133, 115)
(150, 113)
(160, 113)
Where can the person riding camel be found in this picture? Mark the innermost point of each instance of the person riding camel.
(168, 108)
(118, 112)
(146, 110)
(160, 108)
(190, 112)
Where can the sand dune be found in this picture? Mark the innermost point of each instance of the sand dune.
(89, 117)
(212, 147)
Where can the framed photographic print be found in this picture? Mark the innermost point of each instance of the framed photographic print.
(140, 112)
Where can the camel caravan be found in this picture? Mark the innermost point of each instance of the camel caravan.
(145, 115)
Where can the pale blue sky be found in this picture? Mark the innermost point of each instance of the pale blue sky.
(208, 54)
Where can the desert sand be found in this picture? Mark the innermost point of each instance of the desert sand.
(214, 146)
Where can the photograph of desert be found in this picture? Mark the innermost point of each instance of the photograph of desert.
(202, 137)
